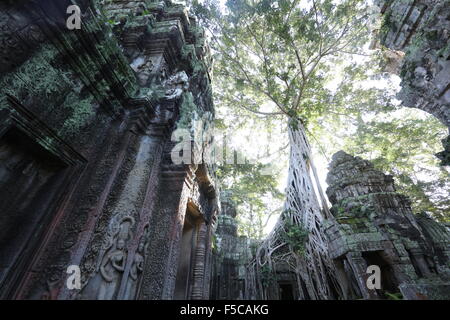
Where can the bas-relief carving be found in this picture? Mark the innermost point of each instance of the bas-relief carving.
(137, 266)
(174, 87)
(143, 68)
(149, 68)
(111, 261)
(136, 269)
(17, 36)
(176, 84)
(111, 270)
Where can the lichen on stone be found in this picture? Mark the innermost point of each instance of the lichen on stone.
(81, 111)
(37, 77)
(188, 111)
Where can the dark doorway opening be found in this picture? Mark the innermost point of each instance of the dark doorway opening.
(388, 280)
(286, 291)
(30, 179)
(182, 283)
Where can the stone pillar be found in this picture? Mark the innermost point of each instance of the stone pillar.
(166, 228)
(343, 280)
(199, 264)
(209, 262)
(421, 263)
(359, 267)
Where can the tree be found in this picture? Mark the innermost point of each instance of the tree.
(248, 187)
(401, 144)
(303, 62)
(275, 58)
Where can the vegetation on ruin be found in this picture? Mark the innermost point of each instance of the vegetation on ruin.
(36, 77)
(81, 112)
(306, 67)
(262, 50)
(296, 236)
(267, 275)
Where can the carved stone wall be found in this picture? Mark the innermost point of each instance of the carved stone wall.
(372, 224)
(230, 256)
(98, 107)
(421, 29)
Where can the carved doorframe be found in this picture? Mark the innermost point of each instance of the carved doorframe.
(195, 220)
(13, 115)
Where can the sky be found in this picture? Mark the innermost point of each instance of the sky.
(255, 142)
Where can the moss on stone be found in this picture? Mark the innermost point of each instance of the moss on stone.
(81, 113)
(360, 206)
(188, 111)
(188, 53)
(387, 25)
(36, 77)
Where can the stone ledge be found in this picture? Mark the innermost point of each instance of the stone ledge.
(425, 291)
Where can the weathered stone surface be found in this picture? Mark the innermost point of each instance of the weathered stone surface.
(422, 30)
(425, 291)
(230, 255)
(86, 118)
(372, 224)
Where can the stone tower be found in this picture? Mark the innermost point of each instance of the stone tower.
(372, 224)
(230, 254)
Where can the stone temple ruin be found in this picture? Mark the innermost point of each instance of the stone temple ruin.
(373, 225)
(89, 123)
(86, 172)
(230, 255)
(418, 33)
(370, 224)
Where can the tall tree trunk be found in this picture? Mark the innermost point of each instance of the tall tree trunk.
(303, 207)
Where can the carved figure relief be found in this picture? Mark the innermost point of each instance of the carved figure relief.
(111, 270)
(137, 266)
(111, 261)
(143, 68)
(176, 84)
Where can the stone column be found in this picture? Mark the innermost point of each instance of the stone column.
(359, 267)
(166, 225)
(420, 261)
(343, 280)
(199, 264)
(209, 263)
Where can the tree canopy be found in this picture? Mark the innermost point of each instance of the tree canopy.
(280, 62)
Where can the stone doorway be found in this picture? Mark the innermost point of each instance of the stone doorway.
(185, 261)
(30, 178)
(286, 291)
(388, 279)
